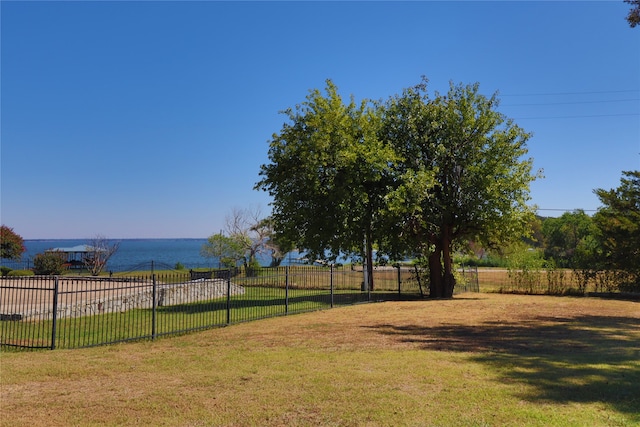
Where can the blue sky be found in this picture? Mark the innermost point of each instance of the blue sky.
(151, 119)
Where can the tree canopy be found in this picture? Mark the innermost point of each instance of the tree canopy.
(411, 176)
(619, 225)
(229, 250)
(463, 174)
(11, 244)
(633, 18)
(568, 238)
(328, 175)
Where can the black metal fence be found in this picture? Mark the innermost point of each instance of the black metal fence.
(71, 312)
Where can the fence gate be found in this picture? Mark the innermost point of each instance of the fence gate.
(27, 312)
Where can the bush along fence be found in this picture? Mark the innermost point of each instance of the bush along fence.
(72, 312)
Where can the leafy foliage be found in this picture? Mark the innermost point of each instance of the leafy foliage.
(570, 239)
(228, 250)
(11, 244)
(414, 176)
(246, 236)
(619, 225)
(329, 176)
(633, 18)
(525, 266)
(49, 263)
(20, 273)
(463, 175)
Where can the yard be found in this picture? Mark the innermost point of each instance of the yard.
(479, 359)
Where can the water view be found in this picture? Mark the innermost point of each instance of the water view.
(138, 254)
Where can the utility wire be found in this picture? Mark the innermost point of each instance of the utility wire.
(571, 103)
(571, 93)
(568, 210)
(576, 117)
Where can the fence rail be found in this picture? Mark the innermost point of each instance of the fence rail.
(72, 312)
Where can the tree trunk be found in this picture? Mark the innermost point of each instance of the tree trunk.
(449, 280)
(442, 280)
(369, 261)
(435, 272)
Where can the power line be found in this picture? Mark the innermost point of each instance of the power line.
(577, 117)
(572, 93)
(567, 210)
(571, 103)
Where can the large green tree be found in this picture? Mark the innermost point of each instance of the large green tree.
(463, 176)
(328, 175)
(11, 244)
(619, 225)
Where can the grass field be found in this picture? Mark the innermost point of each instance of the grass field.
(476, 360)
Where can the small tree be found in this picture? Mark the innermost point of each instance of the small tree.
(99, 251)
(275, 243)
(618, 222)
(246, 227)
(49, 263)
(11, 244)
(228, 250)
(524, 268)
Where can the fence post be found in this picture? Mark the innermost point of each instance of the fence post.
(229, 297)
(286, 289)
(331, 282)
(399, 280)
(154, 305)
(55, 313)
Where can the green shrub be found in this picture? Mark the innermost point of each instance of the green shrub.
(179, 266)
(253, 268)
(19, 273)
(49, 263)
(488, 260)
(5, 270)
(524, 269)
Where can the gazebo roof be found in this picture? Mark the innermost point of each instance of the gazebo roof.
(79, 248)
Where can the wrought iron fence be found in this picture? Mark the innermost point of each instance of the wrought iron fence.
(71, 312)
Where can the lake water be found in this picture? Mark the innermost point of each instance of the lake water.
(137, 254)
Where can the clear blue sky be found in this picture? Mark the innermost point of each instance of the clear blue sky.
(151, 119)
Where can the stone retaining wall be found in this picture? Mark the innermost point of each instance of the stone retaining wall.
(166, 295)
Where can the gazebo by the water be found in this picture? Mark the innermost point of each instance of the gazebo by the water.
(75, 255)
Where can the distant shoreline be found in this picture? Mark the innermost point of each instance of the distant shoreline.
(114, 239)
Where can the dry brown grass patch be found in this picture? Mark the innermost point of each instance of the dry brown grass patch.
(479, 359)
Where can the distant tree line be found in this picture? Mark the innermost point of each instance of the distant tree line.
(606, 243)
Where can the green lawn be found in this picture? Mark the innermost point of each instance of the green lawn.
(255, 303)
